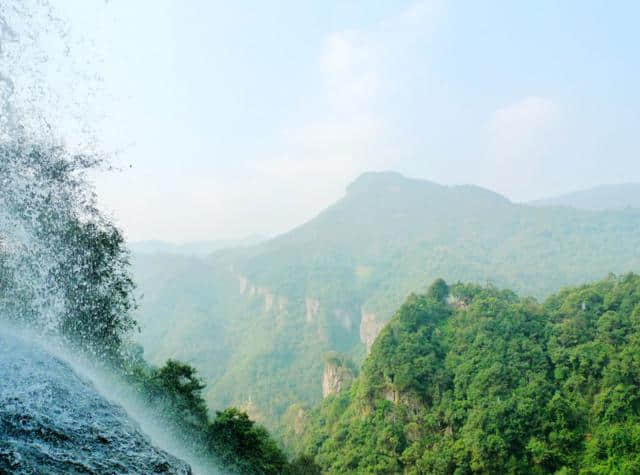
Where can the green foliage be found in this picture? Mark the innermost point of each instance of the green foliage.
(243, 446)
(175, 391)
(439, 290)
(64, 266)
(498, 384)
(341, 360)
(231, 440)
(405, 355)
(387, 238)
(96, 284)
(304, 465)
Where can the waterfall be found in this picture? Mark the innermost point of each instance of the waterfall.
(64, 281)
(52, 420)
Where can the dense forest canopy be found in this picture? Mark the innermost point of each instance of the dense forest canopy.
(275, 309)
(463, 379)
(485, 381)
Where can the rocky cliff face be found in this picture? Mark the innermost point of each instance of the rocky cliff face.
(369, 328)
(337, 375)
(271, 301)
(312, 306)
(53, 421)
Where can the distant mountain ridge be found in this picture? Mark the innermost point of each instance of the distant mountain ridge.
(192, 248)
(599, 198)
(257, 321)
(390, 181)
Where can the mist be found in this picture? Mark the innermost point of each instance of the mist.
(344, 237)
(449, 93)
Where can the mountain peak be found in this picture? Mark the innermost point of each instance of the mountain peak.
(390, 181)
(370, 181)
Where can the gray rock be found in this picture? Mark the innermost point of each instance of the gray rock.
(53, 421)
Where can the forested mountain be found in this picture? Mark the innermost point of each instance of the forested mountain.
(598, 198)
(483, 381)
(258, 321)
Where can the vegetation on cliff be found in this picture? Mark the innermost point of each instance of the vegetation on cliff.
(277, 308)
(463, 379)
(230, 440)
(484, 381)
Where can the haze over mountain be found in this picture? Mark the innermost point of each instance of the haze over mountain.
(257, 321)
(301, 99)
(601, 197)
(516, 349)
(192, 248)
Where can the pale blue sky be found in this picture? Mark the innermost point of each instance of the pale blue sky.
(241, 117)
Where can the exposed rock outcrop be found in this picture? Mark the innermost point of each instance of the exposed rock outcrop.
(313, 305)
(268, 298)
(338, 374)
(299, 419)
(369, 328)
(244, 282)
(251, 409)
(271, 300)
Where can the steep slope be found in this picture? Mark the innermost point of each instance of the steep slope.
(487, 382)
(599, 198)
(257, 322)
(53, 421)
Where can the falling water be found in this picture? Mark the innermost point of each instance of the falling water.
(55, 416)
(54, 421)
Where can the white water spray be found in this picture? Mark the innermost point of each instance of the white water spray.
(63, 274)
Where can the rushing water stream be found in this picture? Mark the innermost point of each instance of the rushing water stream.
(54, 421)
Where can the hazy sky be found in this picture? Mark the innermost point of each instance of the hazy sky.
(242, 117)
